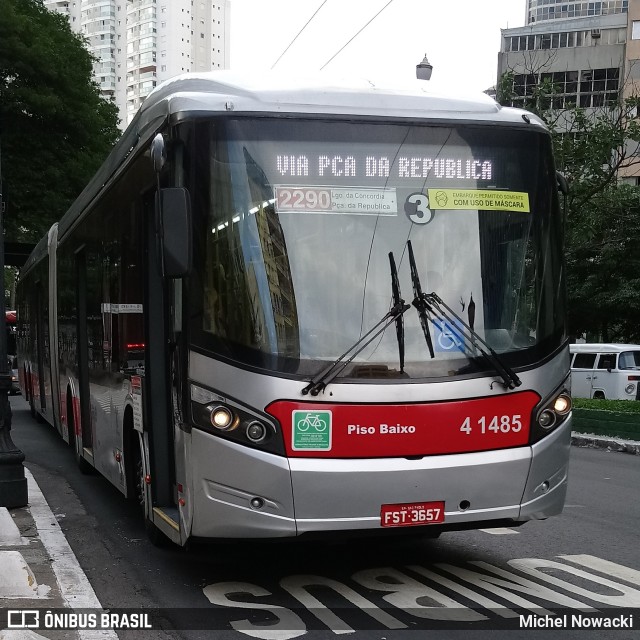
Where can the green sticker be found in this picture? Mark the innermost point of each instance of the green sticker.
(311, 430)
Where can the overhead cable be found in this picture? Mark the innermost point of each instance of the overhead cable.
(355, 36)
(298, 34)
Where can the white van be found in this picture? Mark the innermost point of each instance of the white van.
(610, 371)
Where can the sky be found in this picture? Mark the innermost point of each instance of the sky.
(461, 38)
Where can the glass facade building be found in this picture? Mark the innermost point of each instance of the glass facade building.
(544, 10)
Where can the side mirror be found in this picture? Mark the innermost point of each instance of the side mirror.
(175, 220)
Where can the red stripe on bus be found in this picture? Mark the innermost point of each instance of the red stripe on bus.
(395, 430)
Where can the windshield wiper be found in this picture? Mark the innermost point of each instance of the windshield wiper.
(419, 301)
(320, 381)
(432, 304)
(397, 303)
(509, 377)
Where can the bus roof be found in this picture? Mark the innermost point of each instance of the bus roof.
(226, 92)
(611, 347)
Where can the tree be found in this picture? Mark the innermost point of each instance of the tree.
(591, 147)
(56, 129)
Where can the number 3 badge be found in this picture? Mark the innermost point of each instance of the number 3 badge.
(417, 209)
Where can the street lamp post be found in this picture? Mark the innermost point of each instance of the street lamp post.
(13, 483)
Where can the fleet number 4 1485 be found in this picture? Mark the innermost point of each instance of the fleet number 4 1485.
(495, 424)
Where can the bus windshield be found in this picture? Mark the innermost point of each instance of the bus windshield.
(296, 218)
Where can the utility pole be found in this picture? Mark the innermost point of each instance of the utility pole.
(13, 483)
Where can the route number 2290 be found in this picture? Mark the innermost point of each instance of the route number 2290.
(496, 424)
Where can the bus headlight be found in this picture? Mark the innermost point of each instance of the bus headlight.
(222, 418)
(225, 418)
(547, 419)
(630, 389)
(256, 431)
(550, 414)
(562, 404)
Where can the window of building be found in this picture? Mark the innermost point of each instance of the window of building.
(635, 30)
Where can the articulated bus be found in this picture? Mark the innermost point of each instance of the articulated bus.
(287, 308)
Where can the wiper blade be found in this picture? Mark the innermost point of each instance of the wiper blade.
(432, 305)
(419, 301)
(319, 382)
(438, 306)
(397, 302)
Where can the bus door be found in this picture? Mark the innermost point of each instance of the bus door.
(40, 345)
(83, 353)
(157, 390)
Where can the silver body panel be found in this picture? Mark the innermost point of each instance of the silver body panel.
(304, 495)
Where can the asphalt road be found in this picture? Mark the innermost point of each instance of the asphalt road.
(585, 561)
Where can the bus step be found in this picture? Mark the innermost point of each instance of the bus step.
(169, 515)
(88, 452)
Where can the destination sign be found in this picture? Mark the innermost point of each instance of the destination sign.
(382, 166)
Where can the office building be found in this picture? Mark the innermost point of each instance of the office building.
(544, 10)
(592, 59)
(140, 43)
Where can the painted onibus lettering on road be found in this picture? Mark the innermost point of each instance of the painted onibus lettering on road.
(209, 324)
(411, 598)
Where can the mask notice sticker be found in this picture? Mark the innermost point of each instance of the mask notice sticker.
(473, 199)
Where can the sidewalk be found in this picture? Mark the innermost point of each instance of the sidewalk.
(610, 443)
(39, 572)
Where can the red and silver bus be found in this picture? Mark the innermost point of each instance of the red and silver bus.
(285, 308)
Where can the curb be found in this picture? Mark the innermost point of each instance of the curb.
(611, 443)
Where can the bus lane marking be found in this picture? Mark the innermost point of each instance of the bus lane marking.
(297, 587)
(500, 531)
(423, 600)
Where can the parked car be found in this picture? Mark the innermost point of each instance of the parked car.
(610, 371)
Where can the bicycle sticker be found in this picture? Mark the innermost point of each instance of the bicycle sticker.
(311, 430)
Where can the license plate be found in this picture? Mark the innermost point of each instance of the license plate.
(411, 514)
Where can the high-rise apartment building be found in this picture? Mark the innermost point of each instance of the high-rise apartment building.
(140, 43)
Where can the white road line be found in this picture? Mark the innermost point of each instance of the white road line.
(75, 588)
(500, 531)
